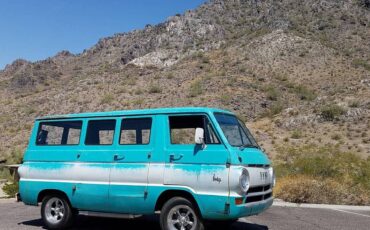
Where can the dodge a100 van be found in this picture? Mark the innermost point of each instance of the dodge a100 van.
(190, 164)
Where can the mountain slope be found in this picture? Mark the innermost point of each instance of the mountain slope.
(299, 72)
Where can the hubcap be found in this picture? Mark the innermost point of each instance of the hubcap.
(181, 217)
(54, 210)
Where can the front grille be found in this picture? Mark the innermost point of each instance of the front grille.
(259, 189)
(259, 193)
(251, 199)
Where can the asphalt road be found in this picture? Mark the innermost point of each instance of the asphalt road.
(18, 216)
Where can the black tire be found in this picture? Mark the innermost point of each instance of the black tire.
(54, 219)
(184, 206)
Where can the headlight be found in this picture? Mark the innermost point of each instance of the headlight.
(272, 176)
(244, 181)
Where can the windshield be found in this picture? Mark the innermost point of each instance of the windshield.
(235, 131)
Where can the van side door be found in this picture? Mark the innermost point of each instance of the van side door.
(200, 169)
(93, 165)
(129, 175)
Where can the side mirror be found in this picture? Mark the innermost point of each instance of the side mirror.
(199, 136)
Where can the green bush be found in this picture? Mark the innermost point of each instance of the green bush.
(331, 112)
(11, 189)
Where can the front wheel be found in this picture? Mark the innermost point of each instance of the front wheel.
(180, 214)
(56, 212)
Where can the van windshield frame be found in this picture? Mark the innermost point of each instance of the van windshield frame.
(235, 131)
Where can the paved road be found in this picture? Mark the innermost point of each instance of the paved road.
(18, 216)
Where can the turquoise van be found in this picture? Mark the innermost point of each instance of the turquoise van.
(190, 164)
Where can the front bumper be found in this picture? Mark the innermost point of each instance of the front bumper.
(249, 209)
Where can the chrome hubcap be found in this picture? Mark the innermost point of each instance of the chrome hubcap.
(181, 217)
(54, 210)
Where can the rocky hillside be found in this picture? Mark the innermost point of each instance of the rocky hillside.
(297, 71)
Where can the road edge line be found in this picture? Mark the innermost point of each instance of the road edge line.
(280, 203)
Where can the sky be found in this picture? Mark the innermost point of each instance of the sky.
(37, 29)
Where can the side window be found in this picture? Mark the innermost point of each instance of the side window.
(135, 131)
(100, 132)
(182, 129)
(59, 133)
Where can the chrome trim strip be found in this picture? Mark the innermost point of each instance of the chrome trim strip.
(108, 215)
(259, 193)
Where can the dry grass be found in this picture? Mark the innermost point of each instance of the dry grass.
(308, 189)
(311, 174)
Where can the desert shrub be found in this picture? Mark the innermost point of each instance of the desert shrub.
(331, 112)
(106, 99)
(354, 104)
(275, 109)
(225, 99)
(272, 93)
(4, 173)
(304, 93)
(15, 157)
(195, 89)
(11, 189)
(296, 134)
(322, 175)
(155, 89)
(336, 137)
(361, 63)
(170, 75)
(308, 189)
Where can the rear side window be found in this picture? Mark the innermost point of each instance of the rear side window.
(135, 131)
(182, 129)
(59, 133)
(100, 132)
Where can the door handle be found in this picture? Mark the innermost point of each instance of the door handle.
(175, 157)
(118, 157)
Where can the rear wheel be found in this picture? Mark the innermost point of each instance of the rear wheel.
(56, 212)
(180, 214)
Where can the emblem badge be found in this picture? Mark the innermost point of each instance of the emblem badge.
(263, 175)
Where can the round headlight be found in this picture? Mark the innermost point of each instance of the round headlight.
(272, 176)
(244, 180)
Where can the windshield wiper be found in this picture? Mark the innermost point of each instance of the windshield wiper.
(242, 147)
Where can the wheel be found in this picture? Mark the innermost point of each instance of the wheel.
(180, 214)
(56, 212)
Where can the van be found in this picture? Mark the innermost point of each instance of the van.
(191, 165)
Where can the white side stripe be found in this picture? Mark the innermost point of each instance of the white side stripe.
(123, 184)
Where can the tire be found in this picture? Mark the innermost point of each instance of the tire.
(189, 217)
(56, 212)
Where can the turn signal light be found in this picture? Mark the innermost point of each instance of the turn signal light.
(238, 201)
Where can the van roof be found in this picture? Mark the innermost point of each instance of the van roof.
(137, 112)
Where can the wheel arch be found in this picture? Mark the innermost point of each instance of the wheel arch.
(168, 194)
(42, 194)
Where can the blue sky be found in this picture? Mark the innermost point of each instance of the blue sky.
(36, 29)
